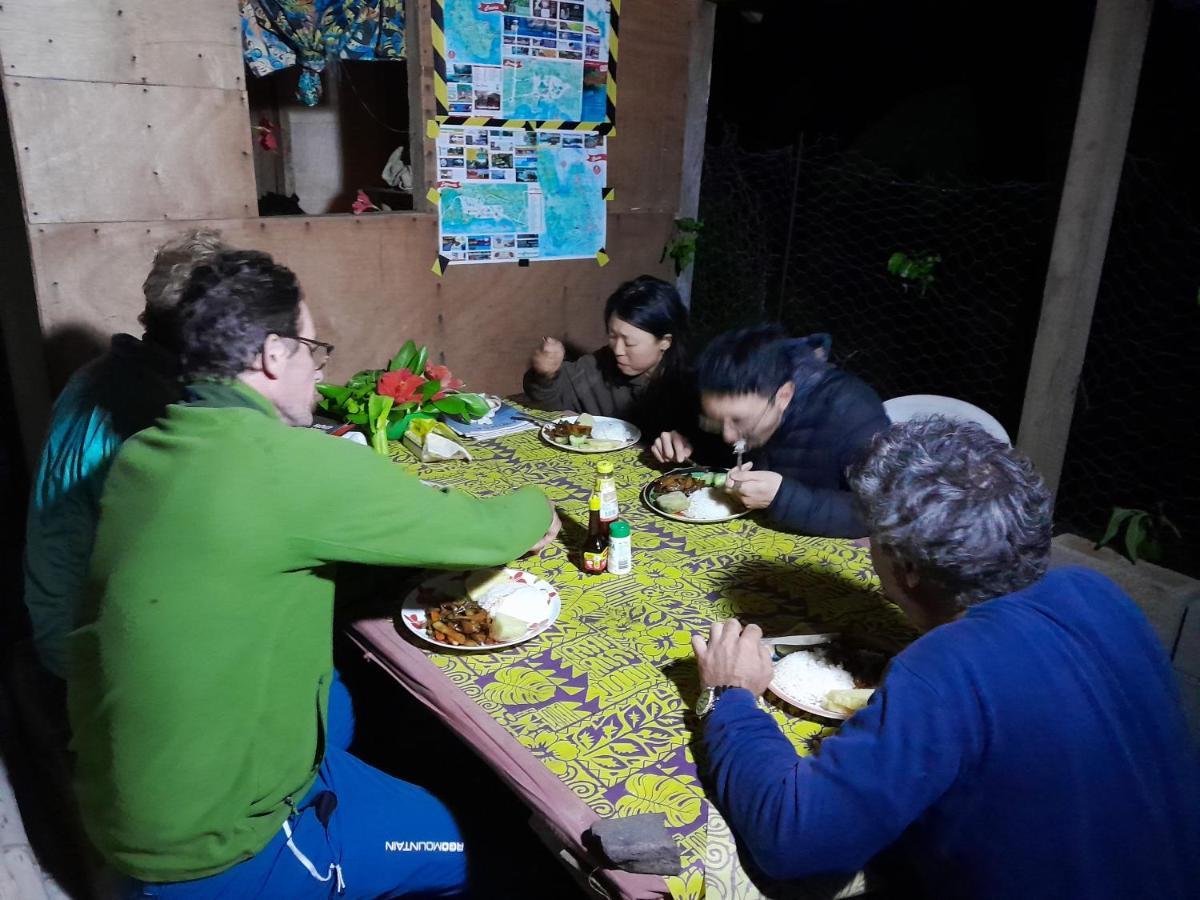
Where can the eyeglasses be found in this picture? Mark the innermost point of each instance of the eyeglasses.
(319, 350)
(717, 426)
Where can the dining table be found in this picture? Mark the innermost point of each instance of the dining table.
(594, 717)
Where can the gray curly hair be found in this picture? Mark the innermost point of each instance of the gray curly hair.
(968, 512)
(169, 273)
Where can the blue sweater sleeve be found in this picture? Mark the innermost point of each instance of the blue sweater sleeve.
(800, 816)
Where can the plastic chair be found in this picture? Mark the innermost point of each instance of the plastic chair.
(915, 406)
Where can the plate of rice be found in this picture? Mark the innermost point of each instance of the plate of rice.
(817, 681)
(695, 495)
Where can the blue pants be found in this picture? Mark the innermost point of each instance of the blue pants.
(380, 837)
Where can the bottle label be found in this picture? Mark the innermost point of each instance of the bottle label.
(620, 559)
(608, 504)
(595, 561)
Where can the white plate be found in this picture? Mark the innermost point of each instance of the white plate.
(813, 708)
(452, 586)
(679, 517)
(605, 429)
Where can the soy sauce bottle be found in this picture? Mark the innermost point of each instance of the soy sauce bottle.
(595, 547)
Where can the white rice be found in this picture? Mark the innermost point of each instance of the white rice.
(710, 503)
(807, 676)
(517, 600)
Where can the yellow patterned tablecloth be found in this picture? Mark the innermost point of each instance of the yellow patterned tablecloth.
(604, 697)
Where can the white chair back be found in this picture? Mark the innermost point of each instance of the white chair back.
(915, 406)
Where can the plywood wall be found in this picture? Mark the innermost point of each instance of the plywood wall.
(101, 190)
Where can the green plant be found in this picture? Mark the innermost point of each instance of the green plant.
(917, 269)
(387, 401)
(682, 245)
(1143, 533)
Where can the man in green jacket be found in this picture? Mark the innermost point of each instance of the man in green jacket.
(199, 681)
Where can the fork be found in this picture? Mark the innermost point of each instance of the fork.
(801, 640)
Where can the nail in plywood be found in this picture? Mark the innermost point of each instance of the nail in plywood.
(368, 282)
(177, 42)
(90, 152)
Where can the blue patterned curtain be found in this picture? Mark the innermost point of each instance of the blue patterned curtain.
(279, 33)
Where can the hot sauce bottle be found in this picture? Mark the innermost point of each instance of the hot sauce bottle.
(595, 547)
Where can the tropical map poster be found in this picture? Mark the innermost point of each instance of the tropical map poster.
(526, 63)
(506, 195)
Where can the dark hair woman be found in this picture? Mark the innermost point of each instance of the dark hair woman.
(643, 375)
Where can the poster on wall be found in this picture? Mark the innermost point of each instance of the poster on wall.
(506, 195)
(526, 63)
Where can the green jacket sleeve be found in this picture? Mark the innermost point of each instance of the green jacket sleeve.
(364, 508)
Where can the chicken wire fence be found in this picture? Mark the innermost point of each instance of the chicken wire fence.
(803, 235)
(1135, 434)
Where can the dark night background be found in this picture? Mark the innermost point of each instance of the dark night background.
(841, 131)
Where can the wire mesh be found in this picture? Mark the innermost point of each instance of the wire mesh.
(802, 235)
(1135, 432)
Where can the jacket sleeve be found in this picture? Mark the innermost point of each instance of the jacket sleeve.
(826, 512)
(831, 813)
(364, 508)
(557, 393)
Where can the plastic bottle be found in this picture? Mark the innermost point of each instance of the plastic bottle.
(606, 490)
(620, 548)
(595, 547)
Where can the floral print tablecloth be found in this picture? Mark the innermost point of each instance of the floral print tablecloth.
(604, 697)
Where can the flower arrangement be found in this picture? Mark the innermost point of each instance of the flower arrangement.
(387, 401)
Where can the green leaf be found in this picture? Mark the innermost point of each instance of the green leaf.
(896, 262)
(1119, 515)
(402, 359)
(364, 379)
(379, 407)
(334, 392)
(451, 405)
(429, 388)
(476, 405)
(1135, 534)
(417, 364)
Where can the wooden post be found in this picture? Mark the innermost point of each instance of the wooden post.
(1085, 213)
(699, 73)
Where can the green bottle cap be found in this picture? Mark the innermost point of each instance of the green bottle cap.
(619, 529)
(604, 467)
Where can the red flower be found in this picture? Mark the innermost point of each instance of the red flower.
(362, 203)
(402, 386)
(442, 374)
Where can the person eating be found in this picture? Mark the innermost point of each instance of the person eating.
(642, 375)
(1031, 743)
(199, 678)
(803, 421)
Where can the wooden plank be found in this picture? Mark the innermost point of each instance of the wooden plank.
(423, 151)
(368, 281)
(20, 875)
(1085, 212)
(703, 23)
(646, 155)
(173, 42)
(90, 152)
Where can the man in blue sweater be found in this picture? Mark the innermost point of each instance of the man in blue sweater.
(1030, 744)
(803, 421)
